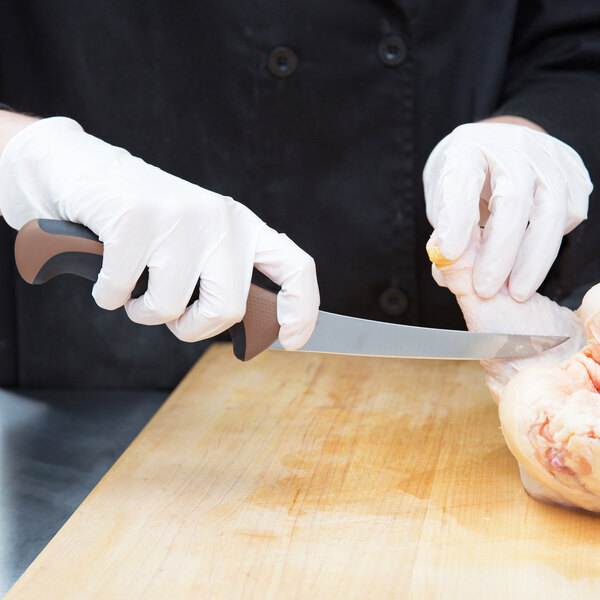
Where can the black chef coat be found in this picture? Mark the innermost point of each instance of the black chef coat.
(317, 115)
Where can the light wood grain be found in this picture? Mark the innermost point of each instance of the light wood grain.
(309, 476)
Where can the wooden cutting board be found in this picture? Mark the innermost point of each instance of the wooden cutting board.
(311, 476)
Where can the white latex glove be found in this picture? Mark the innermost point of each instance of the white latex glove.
(531, 187)
(146, 217)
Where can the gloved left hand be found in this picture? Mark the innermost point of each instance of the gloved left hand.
(534, 188)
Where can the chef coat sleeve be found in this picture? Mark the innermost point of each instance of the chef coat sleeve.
(553, 74)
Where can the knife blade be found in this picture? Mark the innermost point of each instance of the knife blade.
(45, 248)
(338, 334)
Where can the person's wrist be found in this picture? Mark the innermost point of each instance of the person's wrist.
(34, 167)
(12, 123)
(514, 120)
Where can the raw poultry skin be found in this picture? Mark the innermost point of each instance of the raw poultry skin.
(549, 405)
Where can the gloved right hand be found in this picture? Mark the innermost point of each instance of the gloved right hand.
(146, 217)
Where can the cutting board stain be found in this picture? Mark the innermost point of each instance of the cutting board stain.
(306, 476)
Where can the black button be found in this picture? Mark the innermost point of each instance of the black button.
(282, 61)
(392, 50)
(393, 301)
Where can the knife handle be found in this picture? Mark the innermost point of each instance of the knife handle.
(45, 248)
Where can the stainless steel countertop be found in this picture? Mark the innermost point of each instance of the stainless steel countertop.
(54, 448)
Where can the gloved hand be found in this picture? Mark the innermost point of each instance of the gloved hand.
(531, 187)
(146, 217)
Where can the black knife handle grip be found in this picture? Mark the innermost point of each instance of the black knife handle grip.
(45, 248)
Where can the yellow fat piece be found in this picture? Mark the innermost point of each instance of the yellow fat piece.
(437, 258)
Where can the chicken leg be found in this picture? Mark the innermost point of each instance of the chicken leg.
(549, 404)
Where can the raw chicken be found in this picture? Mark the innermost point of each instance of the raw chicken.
(549, 404)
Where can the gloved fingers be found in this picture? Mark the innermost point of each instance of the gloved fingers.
(431, 174)
(294, 270)
(456, 203)
(170, 287)
(510, 207)
(569, 178)
(540, 245)
(224, 286)
(438, 276)
(571, 181)
(121, 268)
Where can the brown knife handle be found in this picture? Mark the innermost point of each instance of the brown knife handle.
(45, 248)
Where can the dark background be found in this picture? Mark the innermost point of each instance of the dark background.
(331, 154)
